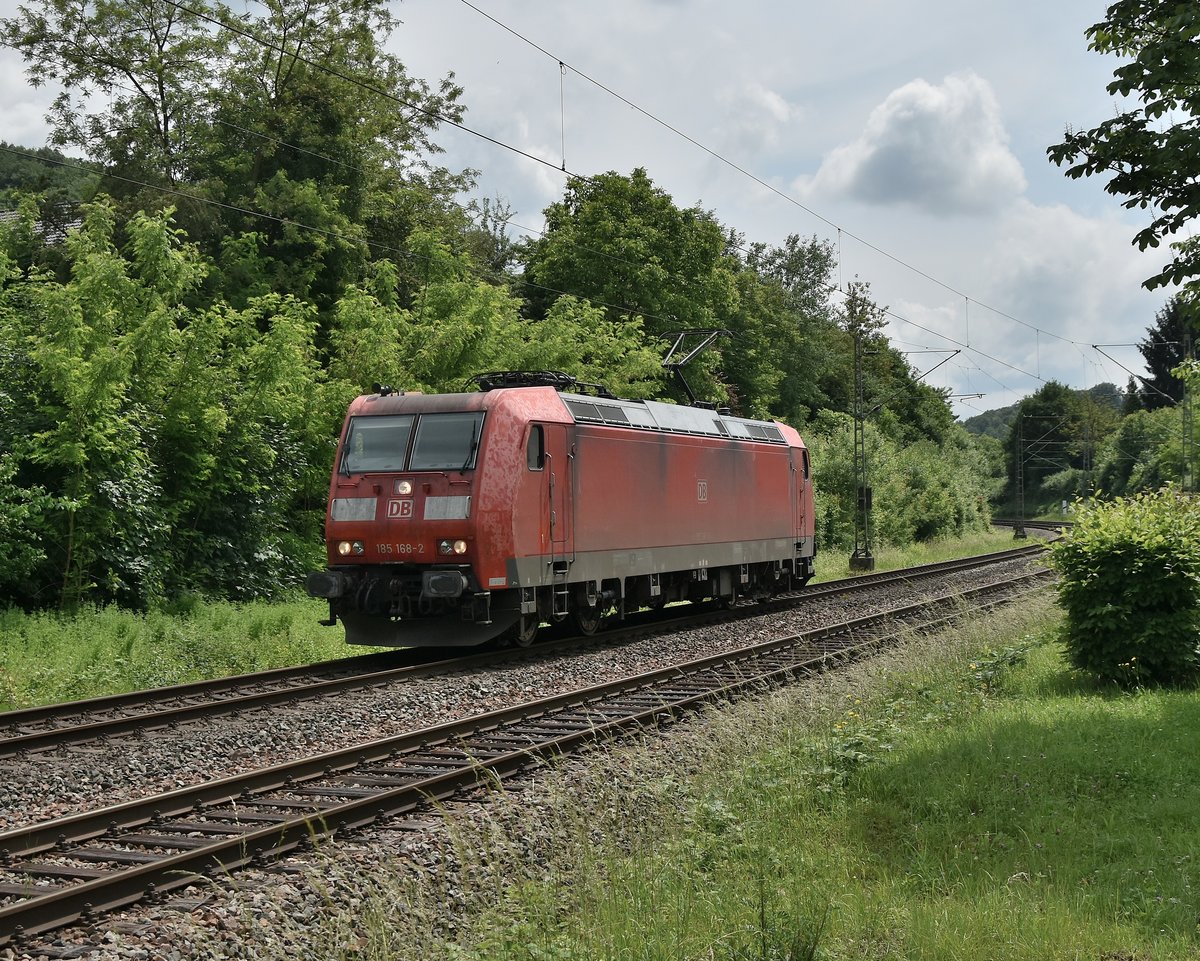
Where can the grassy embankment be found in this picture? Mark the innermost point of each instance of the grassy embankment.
(834, 564)
(967, 796)
(48, 657)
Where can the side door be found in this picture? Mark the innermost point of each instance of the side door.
(558, 493)
(801, 481)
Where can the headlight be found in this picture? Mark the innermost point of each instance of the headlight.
(452, 547)
(345, 548)
(404, 487)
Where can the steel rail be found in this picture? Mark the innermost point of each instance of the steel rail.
(116, 702)
(1043, 525)
(159, 844)
(41, 728)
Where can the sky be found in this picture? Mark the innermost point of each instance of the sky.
(910, 135)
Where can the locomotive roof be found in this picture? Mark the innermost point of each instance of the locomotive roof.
(675, 418)
(607, 411)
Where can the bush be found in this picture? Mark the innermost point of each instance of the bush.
(922, 491)
(1131, 589)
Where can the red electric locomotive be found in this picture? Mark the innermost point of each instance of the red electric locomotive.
(457, 518)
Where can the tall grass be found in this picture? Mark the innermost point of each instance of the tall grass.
(49, 657)
(834, 564)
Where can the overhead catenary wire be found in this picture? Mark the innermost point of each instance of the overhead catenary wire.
(359, 82)
(965, 344)
(402, 253)
(733, 165)
(410, 255)
(1146, 383)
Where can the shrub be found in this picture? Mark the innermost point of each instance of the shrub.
(1130, 587)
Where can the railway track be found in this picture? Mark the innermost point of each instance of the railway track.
(42, 728)
(1036, 525)
(57, 872)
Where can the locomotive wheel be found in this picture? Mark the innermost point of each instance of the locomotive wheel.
(524, 632)
(585, 617)
(728, 602)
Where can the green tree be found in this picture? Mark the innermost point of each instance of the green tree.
(20, 175)
(922, 490)
(621, 243)
(94, 346)
(314, 123)
(577, 337)
(295, 114)
(1142, 454)
(25, 527)
(26, 507)
(1150, 149)
(788, 355)
(248, 444)
(993, 423)
(460, 325)
(1057, 430)
(156, 448)
(1168, 344)
(152, 61)
(1131, 399)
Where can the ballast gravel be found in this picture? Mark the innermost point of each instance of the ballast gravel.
(230, 917)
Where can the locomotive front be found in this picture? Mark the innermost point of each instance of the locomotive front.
(402, 537)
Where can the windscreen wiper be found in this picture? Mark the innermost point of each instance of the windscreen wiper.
(474, 445)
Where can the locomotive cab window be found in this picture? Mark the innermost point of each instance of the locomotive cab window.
(804, 462)
(447, 441)
(535, 451)
(376, 443)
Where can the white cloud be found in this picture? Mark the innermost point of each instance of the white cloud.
(943, 149)
(1077, 276)
(24, 120)
(1076, 279)
(752, 119)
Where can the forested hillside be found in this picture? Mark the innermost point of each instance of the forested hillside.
(1061, 444)
(993, 423)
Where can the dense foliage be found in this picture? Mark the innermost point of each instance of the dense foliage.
(1169, 341)
(921, 490)
(1061, 443)
(1130, 585)
(993, 423)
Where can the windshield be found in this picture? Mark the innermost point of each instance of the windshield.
(377, 443)
(446, 441)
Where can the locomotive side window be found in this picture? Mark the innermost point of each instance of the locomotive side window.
(447, 441)
(804, 461)
(535, 452)
(376, 443)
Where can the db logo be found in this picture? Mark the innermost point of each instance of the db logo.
(400, 508)
(702, 490)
